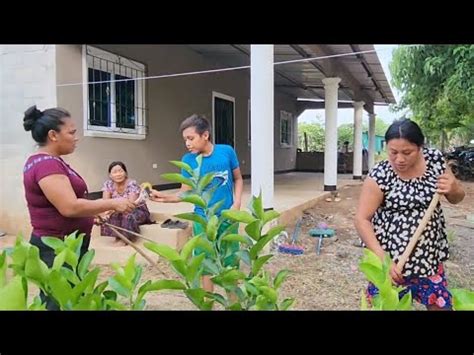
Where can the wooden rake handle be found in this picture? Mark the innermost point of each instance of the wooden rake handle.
(416, 236)
(130, 243)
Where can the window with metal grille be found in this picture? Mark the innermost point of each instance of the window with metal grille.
(115, 99)
(286, 128)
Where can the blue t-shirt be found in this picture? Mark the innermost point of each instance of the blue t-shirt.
(222, 161)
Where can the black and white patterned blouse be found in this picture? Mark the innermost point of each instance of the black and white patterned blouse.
(405, 202)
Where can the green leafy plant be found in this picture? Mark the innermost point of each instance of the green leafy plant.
(463, 300)
(69, 282)
(378, 273)
(244, 290)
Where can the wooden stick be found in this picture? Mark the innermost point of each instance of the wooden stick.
(126, 230)
(133, 245)
(416, 236)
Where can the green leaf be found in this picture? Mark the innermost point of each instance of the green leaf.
(85, 262)
(211, 229)
(86, 303)
(193, 267)
(371, 258)
(210, 267)
(110, 295)
(163, 285)
(287, 303)
(238, 216)
(372, 273)
(12, 295)
(269, 216)
(115, 305)
(237, 238)
(137, 276)
(406, 302)
(53, 242)
(209, 193)
(59, 260)
(74, 243)
(119, 286)
(389, 299)
(387, 263)
(260, 245)
(35, 268)
(195, 200)
(86, 285)
(179, 178)
(183, 166)
(180, 267)
(218, 298)
(20, 253)
(192, 217)
(254, 229)
(212, 210)
(190, 246)
(71, 258)
(61, 290)
(206, 245)
(69, 275)
(280, 278)
(138, 306)
(269, 293)
(230, 229)
(142, 290)
(235, 307)
(37, 305)
(101, 287)
(250, 289)
(257, 206)
(259, 262)
(130, 267)
(258, 281)
(205, 180)
(228, 278)
(163, 250)
(273, 232)
(262, 303)
(463, 300)
(244, 256)
(3, 268)
(196, 296)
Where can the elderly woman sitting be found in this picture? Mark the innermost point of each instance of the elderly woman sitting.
(119, 185)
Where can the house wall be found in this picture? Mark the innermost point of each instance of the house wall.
(27, 77)
(169, 101)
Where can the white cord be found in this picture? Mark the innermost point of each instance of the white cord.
(217, 70)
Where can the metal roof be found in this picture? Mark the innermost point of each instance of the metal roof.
(362, 76)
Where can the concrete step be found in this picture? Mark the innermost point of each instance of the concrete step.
(107, 251)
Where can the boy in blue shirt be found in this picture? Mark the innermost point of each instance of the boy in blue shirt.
(220, 159)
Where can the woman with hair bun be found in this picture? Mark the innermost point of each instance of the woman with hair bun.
(55, 193)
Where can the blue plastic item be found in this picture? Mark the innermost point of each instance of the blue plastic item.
(321, 233)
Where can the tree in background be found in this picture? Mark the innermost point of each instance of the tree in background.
(315, 136)
(345, 132)
(437, 84)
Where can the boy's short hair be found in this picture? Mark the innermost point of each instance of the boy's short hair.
(199, 122)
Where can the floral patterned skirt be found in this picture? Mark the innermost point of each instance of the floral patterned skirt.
(432, 290)
(130, 221)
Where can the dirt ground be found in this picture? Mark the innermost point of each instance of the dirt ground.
(331, 280)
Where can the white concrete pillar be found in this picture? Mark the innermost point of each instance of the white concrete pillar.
(371, 137)
(262, 126)
(357, 157)
(330, 145)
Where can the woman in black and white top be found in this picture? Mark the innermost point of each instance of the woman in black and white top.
(393, 200)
